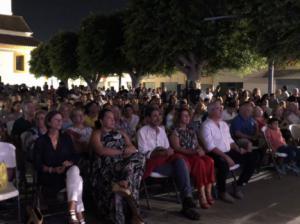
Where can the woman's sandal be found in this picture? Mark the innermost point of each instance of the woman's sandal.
(204, 204)
(210, 200)
(72, 219)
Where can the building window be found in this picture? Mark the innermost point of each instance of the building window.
(20, 63)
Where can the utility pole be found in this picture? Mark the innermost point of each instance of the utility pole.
(271, 77)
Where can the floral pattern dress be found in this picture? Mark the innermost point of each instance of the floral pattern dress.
(108, 170)
(202, 167)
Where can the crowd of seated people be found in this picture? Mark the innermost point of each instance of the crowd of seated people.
(108, 142)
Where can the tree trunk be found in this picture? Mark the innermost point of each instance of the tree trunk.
(135, 79)
(271, 77)
(93, 82)
(190, 66)
(120, 80)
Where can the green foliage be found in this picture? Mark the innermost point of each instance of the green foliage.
(276, 27)
(100, 45)
(62, 55)
(164, 34)
(39, 62)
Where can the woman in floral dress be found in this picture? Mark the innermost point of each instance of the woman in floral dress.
(184, 140)
(116, 173)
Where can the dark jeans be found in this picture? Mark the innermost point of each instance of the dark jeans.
(179, 170)
(247, 162)
(293, 154)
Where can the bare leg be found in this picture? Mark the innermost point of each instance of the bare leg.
(209, 197)
(72, 212)
(202, 198)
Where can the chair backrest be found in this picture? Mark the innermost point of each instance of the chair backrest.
(8, 154)
(263, 130)
(295, 131)
(9, 126)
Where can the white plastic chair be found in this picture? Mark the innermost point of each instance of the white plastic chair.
(9, 126)
(8, 156)
(295, 132)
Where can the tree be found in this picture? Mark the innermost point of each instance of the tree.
(39, 61)
(275, 27)
(100, 47)
(165, 34)
(62, 54)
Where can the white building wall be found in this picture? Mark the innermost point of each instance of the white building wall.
(10, 76)
(5, 7)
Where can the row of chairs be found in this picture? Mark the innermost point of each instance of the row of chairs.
(7, 155)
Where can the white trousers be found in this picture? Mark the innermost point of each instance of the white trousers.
(74, 185)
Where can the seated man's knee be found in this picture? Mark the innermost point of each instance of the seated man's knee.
(180, 162)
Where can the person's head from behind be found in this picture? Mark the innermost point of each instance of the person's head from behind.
(16, 107)
(284, 88)
(40, 119)
(256, 92)
(106, 120)
(272, 96)
(28, 108)
(278, 92)
(92, 109)
(77, 116)
(293, 107)
(278, 112)
(64, 109)
(153, 116)
(273, 123)
(200, 108)
(54, 121)
(295, 92)
(215, 110)
(246, 110)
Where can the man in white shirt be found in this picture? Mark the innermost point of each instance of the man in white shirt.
(154, 144)
(207, 94)
(230, 112)
(218, 142)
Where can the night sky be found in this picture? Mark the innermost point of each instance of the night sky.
(46, 17)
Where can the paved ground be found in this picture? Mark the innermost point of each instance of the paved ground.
(268, 200)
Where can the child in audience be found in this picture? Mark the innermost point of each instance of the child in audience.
(278, 144)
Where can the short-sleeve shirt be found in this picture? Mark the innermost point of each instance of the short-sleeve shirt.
(245, 126)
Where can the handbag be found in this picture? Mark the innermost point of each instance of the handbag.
(3, 176)
(34, 216)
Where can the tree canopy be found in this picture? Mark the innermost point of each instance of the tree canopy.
(62, 54)
(165, 34)
(275, 26)
(39, 61)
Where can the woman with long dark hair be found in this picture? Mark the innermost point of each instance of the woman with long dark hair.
(117, 172)
(184, 140)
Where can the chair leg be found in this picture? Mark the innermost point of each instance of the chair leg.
(176, 192)
(234, 183)
(276, 166)
(215, 192)
(146, 194)
(19, 210)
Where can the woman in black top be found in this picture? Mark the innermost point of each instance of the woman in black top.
(55, 162)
